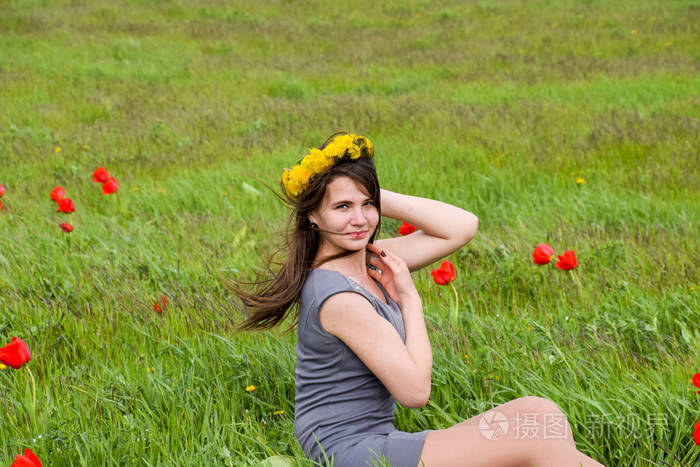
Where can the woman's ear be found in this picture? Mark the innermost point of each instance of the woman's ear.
(312, 219)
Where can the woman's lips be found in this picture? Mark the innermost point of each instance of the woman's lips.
(357, 234)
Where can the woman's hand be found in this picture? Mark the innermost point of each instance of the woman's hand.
(392, 272)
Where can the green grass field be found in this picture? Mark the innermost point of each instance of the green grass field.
(502, 108)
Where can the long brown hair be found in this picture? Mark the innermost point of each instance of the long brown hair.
(273, 297)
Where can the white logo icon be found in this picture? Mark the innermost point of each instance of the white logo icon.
(493, 425)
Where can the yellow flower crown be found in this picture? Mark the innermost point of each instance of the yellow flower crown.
(298, 178)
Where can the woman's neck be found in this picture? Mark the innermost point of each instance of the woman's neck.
(353, 265)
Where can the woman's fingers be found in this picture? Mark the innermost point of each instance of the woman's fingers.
(388, 258)
(382, 263)
(375, 275)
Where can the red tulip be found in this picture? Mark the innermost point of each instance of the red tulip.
(444, 274)
(406, 229)
(2, 191)
(29, 459)
(58, 193)
(696, 380)
(696, 433)
(101, 175)
(542, 254)
(567, 260)
(67, 228)
(110, 186)
(15, 354)
(65, 205)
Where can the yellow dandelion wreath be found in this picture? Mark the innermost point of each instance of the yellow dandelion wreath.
(297, 179)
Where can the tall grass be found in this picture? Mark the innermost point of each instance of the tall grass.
(497, 107)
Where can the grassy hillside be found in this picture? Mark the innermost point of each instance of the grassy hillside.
(568, 122)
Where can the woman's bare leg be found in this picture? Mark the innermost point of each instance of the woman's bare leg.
(528, 405)
(497, 438)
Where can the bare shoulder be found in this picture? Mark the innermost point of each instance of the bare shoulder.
(351, 318)
(344, 306)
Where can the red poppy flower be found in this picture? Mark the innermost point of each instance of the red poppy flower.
(157, 307)
(29, 459)
(2, 191)
(696, 380)
(58, 193)
(65, 205)
(110, 186)
(696, 433)
(444, 274)
(567, 260)
(542, 254)
(15, 354)
(100, 175)
(406, 229)
(67, 228)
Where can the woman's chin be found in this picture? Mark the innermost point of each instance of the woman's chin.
(356, 246)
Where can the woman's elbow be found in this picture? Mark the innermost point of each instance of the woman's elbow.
(470, 229)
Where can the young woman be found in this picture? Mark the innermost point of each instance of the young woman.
(362, 343)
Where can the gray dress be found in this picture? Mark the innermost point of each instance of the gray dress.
(340, 404)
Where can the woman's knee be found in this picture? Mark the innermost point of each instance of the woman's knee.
(539, 405)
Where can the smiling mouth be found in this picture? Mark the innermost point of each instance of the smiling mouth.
(358, 234)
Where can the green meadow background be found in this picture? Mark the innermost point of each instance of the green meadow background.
(573, 123)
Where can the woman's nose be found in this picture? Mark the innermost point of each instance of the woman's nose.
(358, 217)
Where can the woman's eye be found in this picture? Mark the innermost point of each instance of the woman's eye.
(340, 206)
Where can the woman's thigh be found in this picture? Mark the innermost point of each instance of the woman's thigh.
(506, 435)
(526, 410)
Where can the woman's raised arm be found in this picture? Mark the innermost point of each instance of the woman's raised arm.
(441, 228)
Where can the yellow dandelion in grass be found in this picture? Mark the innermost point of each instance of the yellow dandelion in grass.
(160, 190)
(580, 180)
(555, 24)
(2, 367)
(633, 31)
(58, 149)
(135, 188)
(85, 146)
(692, 288)
(223, 193)
(667, 44)
(278, 412)
(529, 328)
(250, 388)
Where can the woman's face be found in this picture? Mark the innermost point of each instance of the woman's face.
(347, 216)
